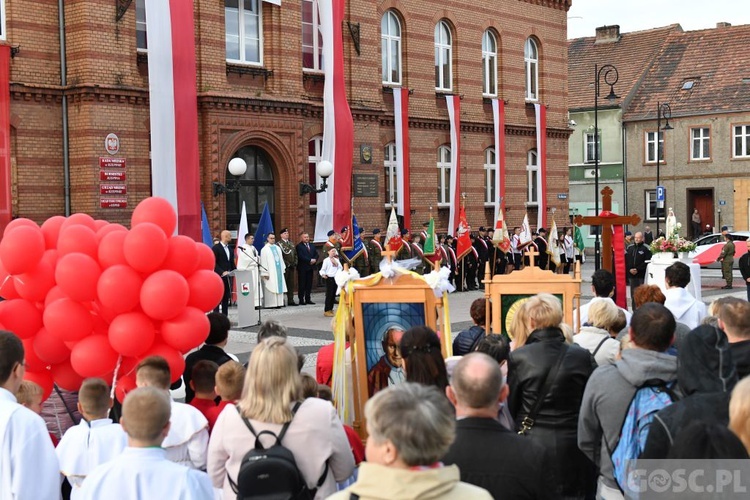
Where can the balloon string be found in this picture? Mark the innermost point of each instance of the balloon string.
(6, 280)
(114, 377)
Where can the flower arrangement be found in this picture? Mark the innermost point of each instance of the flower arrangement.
(674, 243)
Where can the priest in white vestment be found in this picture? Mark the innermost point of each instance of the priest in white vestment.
(272, 272)
(248, 260)
(143, 471)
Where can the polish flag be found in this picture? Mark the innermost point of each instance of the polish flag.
(498, 118)
(454, 114)
(175, 166)
(541, 158)
(401, 121)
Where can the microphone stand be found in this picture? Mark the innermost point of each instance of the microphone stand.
(260, 266)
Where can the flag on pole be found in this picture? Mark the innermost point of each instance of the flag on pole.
(429, 241)
(241, 232)
(393, 239)
(541, 161)
(401, 126)
(453, 103)
(265, 227)
(357, 246)
(578, 239)
(525, 236)
(554, 243)
(498, 118)
(463, 245)
(501, 238)
(205, 230)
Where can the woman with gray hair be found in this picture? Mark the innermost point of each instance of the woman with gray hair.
(411, 427)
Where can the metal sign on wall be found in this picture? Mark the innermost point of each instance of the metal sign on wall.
(366, 185)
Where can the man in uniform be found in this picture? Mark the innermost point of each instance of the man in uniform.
(289, 253)
(405, 252)
(480, 244)
(362, 261)
(726, 257)
(541, 245)
(375, 247)
(418, 253)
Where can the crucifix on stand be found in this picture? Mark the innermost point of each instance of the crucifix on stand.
(606, 220)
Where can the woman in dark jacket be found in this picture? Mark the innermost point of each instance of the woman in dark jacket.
(555, 424)
(467, 340)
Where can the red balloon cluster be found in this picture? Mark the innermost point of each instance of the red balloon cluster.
(85, 295)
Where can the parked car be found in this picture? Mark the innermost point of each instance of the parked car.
(712, 243)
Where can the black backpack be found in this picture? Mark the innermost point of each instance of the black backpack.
(272, 473)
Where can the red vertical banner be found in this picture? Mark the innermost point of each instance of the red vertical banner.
(5, 187)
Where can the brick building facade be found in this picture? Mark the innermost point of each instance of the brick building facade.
(267, 107)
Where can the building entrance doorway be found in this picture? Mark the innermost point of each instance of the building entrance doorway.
(256, 189)
(703, 200)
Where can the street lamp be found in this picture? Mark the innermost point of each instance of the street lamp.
(237, 167)
(324, 169)
(662, 110)
(610, 78)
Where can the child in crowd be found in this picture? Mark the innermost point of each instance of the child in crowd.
(30, 395)
(230, 378)
(202, 382)
(95, 440)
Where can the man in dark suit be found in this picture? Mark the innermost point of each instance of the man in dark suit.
(307, 257)
(489, 455)
(543, 261)
(223, 265)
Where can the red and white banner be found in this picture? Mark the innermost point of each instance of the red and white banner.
(334, 204)
(454, 114)
(401, 124)
(541, 159)
(5, 187)
(175, 162)
(498, 116)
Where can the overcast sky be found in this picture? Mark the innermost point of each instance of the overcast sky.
(635, 15)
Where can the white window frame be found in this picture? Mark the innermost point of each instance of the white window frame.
(489, 176)
(317, 46)
(314, 159)
(588, 140)
(531, 65)
(444, 176)
(390, 164)
(532, 171)
(443, 56)
(701, 137)
(390, 43)
(241, 35)
(140, 22)
(649, 155)
(741, 133)
(489, 64)
(650, 198)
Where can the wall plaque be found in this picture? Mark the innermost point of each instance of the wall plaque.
(366, 186)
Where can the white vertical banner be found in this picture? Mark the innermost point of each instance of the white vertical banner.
(454, 115)
(498, 152)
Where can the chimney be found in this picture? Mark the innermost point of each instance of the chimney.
(722, 25)
(607, 34)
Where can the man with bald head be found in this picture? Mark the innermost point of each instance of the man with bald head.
(637, 256)
(223, 265)
(489, 455)
(143, 471)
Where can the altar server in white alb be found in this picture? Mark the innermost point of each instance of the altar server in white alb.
(28, 464)
(143, 471)
(187, 440)
(95, 440)
(247, 260)
(272, 273)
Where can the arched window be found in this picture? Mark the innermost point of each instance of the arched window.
(312, 39)
(391, 174)
(531, 62)
(489, 64)
(314, 152)
(256, 189)
(443, 57)
(532, 169)
(444, 175)
(390, 48)
(489, 177)
(244, 31)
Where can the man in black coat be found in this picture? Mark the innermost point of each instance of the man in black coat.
(636, 257)
(212, 350)
(307, 257)
(223, 265)
(489, 455)
(541, 244)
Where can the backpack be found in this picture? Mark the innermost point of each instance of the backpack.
(647, 400)
(272, 473)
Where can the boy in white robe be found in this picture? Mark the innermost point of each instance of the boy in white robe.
(95, 440)
(142, 471)
(28, 464)
(187, 440)
(247, 260)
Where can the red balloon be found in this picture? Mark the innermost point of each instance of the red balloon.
(33, 362)
(109, 228)
(66, 377)
(119, 288)
(56, 293)
(128, 366)
(186, 331)
(145, 247)
(156, 211)
(20, 317)
(164, 295)
(77, 239)
(111, 249)
(68, 320)
(206, 290)
(93, 356)
(79, 219)
(7, 285)
(182, 255)
(50, 348)
(77, 274)
(174, 359)
(43, 378)
(21, 221)
(123, 386)
(132, 334)
(206, 259)
(35, 284)
(99, 223)
(21, 249)
(51, 230)
(50, 257)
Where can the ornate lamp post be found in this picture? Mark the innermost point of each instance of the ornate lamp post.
(662, 110)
